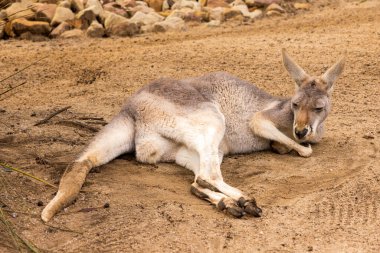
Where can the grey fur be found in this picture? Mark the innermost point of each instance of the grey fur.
(195, 122)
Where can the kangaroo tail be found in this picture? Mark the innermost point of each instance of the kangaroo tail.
(114, 139)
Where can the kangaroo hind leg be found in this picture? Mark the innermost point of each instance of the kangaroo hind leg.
(201, 153)
(113, 140)
(190, 160)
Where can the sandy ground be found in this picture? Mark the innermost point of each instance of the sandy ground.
(326, 203)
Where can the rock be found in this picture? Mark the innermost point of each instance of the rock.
(181, 4)
(86, 17)
(104, 2)
(275, 7)
(124, 29)
(62, 14)
(273, 13)
(146, 19)
(61, 28)
(141, 3)
(170, 24)
(217, 3)
(155, 4)
(72, 34)
(167, 5)
(33, 37)
(3, 15)
(110, 18)
(191, 15)
(200, 16)
(95, 30)
(127, 3)
(19, 10)
(142, 8)
(368, 136)
(244, 10)
(146, 28)
(95, 5)
(180, 13)
(118, 25)
(116, 8)
(250, 3)
(263, 3)
(65, 4)
(231, 13)
(77, 5)
(203, 3)
(256, 14)
(237, 3)
(21, 25)
(214, 23)
(1, 30)
(302, 6)
(166, 13)
(217, 14)
(8, 30)
(45, 12)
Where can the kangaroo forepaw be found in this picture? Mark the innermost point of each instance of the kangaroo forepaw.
(305, 151)
(250, 207)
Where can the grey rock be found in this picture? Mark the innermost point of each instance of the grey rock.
(217, 14)
(1, 30)
(96, 30)
(62, 14)
(146, 19)
(72, 34)
(86, 17)
(19, 10)
(275, 7)
(214, 23)
(181, 4)
(65, 4)
(45, 12)
(118, 25)
(116, 8)
(22, 25)
(170, 24)
(61, 28)
(96, 5)
(77, 5)
(263, 3)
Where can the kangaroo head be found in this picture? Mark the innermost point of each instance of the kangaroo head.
(312, 100)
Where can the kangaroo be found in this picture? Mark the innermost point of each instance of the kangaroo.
(195, 122)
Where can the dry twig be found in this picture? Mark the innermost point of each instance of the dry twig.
(28, 66)
(14, 87)
(51, 116)
(26, 174)
(15, 236)
(78, 124)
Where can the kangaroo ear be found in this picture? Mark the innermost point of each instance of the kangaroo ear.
(295, 71)
(332, 74)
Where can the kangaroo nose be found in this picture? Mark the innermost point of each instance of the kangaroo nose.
(301, 134)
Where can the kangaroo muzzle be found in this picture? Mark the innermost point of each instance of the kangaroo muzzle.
(301, 132)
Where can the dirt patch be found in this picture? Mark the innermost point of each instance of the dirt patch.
(325, 203)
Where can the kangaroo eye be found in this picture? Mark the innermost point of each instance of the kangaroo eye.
(318, 109)
(295, 105)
